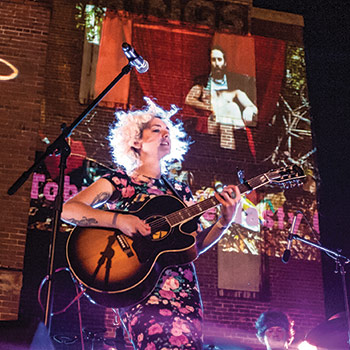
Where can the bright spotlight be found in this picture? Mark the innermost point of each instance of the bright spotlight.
(306, 346)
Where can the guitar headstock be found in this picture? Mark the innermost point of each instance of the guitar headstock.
(289, 176)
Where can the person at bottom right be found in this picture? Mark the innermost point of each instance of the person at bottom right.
(275, 330)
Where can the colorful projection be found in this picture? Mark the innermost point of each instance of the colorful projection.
(243, 102)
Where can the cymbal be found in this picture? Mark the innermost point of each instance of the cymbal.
(331, 334)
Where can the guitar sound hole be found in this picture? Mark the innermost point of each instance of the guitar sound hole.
(159, 227)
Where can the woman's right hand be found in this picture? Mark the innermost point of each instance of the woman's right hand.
(131, 224)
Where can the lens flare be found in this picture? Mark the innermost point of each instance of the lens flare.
(306, 346)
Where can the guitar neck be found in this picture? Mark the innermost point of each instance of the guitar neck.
(188, 213)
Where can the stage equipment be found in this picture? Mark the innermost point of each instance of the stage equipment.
(340, 261)
(286, 254)
(61, 147)
(331, 334)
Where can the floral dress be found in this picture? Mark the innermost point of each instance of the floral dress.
(171, 316)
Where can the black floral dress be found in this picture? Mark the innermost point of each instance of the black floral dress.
(171, 316)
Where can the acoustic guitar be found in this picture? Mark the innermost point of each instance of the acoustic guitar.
(118, 271)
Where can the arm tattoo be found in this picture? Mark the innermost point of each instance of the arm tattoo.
(83, 222)
(100, 199)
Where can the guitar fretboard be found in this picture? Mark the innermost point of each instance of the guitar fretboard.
(188, 213)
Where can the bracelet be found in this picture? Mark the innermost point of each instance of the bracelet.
(114, 220)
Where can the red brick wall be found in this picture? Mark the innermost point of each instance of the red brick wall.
(24, 29)
(42, 41)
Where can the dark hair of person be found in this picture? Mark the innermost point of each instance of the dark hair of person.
(274, 318)
(219, 48)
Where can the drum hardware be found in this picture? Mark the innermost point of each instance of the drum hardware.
(330, 331)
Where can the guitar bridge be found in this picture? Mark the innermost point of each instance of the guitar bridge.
(124, 245)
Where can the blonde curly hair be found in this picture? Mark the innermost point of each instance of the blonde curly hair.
(128, 128)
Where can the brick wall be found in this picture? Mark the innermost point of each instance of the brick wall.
(24, 29)
(42, 41)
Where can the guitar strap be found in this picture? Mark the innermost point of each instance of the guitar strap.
(167, 182)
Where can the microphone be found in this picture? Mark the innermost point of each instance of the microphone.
(286, 254)
(135, 59)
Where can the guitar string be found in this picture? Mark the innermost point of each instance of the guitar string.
(206, 204)
(192, 211)
(189, 211)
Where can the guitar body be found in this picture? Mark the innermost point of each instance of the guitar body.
(118, 271)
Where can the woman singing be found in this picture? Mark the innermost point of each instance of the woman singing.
(144, 142)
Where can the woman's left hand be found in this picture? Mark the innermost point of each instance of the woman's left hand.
(228, 198)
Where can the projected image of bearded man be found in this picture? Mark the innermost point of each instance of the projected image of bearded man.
(224, 94)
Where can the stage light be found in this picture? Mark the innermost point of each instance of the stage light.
(306, 346)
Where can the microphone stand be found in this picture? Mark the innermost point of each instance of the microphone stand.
(340, 261)
(60, 147)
